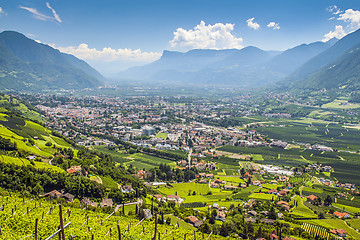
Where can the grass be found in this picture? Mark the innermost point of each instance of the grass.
(26, 162)
(301, 211)
(182, 224)
(347, 208)
(109, 183)
(355, 223)
(162, 135)
(341, 104)
(262, 196)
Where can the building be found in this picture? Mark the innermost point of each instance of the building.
(106, 202)
(341, 215)
(148, 130)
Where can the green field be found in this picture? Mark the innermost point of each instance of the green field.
(341, 104)
(162, 135)
(301, 211)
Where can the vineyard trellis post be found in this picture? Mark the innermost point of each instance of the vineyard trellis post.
(0, 231)
(154, 238)
(36, 226)
(118, 227)
(61, 223)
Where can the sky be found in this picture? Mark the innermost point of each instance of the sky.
(112, 35)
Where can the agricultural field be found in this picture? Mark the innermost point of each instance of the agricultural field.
(162, 135)
(78, 221)
(345, 164)
(335, 224)
(341, 104)
(300, 210)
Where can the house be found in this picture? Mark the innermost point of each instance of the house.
(283, 204)
(214, 185)
(158, 197)
(273, 235)
(219, 181)
(74, 169)
(194, 221)
(203, 181)
(53, 194)
(341, 215)
(272, 191)
(106, 202)
(339, 232)
(147, 213)
(252, 213)
(68, 197)
(342, 195)
(88, 202)
(230, 188)
(288, 238)
(143, 174)
(282, 192)
(173, 198)
(311, 198)
(220, 216)
(127, 189)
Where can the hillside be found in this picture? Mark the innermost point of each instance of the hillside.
(31, 66)
(344, 72)
(314, 74)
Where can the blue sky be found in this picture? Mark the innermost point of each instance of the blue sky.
(114, 34)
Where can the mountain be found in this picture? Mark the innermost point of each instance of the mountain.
(202, 66)
(344, 72)
(289, 60)
(247, 67)
(28, 65)
(324, 59)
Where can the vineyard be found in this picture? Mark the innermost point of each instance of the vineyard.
(317, 231)
(18, 216)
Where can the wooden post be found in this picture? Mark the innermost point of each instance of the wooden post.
(154, 238)
(194, 235)
(61, 223)
(159, 236)
(118, 227)
(36, 225)
(43, 215)
(0, 231)
(92, 237)
(185, 236)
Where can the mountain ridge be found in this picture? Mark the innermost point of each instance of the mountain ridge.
(29, 65)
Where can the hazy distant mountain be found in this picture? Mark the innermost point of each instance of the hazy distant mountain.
(289, 60)
(28, 65)
(246, 67)
(342, 72)
(326, 57)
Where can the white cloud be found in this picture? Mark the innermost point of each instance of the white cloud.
(273, 25)
(56, 16)
(108, 54)
(252, 24)
(42, 16)
(334, 9)
(217, 36)
(2, 12)
(338, 33)
(351, 16)
(37, 14)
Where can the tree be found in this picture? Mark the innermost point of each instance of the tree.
(328, 200)
(224, 231)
